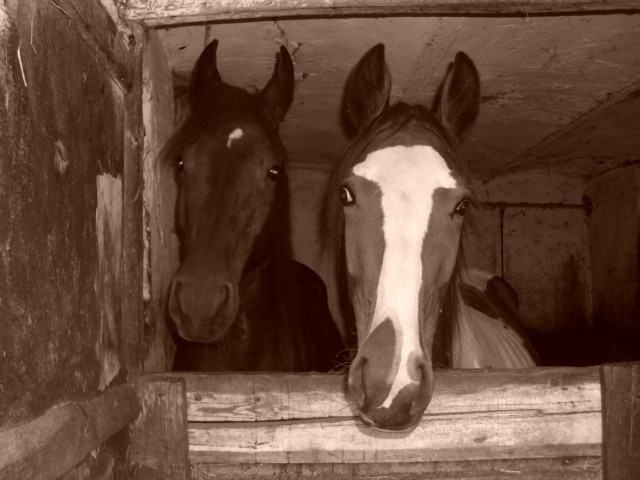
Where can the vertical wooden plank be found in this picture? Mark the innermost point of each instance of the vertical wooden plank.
(621, 421)
(132, 306)
(159, 445)
(159, 196)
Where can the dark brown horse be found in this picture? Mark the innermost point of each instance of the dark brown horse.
(396, 205)
(239, 301)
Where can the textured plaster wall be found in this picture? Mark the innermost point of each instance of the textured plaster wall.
(533, 230)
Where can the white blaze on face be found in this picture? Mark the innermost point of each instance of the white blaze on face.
(233, 136)
(407, 178)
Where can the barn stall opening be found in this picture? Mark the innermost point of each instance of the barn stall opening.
(554, 163)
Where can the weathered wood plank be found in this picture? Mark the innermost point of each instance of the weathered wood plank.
(564, 468)
(473, 436)
(166, 12)
(621, 419)
(132, 245)
(159, 197)
(159, 437)
(267, 397)
(474, 415)
(51, 445)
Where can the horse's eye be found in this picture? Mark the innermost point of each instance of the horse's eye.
(461, 207)
(274, 172)
(346, 196)
(180, 165)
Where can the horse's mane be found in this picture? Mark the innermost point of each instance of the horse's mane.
(221, 107)
(377, 133)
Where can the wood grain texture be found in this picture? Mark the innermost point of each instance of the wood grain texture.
(474, 416)
(166, 12)
(621, 419)
(132, 244)
(565, 468)
(158, 439)
(51, 445)
(159, 197)
(473, 436)
(268, 397)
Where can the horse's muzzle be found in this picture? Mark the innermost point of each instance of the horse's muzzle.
(201, 314)
(391, 394)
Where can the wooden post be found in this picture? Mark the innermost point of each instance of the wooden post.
(51, 445)
(132, 248)
(621, 421)
(159, 444)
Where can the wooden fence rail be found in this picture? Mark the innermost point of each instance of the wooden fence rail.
(535, 423)
(54, 443)
(530, 424)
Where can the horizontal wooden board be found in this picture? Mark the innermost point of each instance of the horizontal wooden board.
(268, 397)
(167, 12)
(565, 468)
(473, 436)
(474, 415)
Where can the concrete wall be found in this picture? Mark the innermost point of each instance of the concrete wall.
(533, 230)
(61, 208)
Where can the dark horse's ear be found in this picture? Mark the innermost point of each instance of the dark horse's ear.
(368, 87)
(205, 75)
(458, 100)
(278, 94)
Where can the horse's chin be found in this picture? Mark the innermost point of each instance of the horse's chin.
(406, 426)
(216, 333)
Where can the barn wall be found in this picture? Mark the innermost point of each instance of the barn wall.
(536, 229)
(61, 151)
(614, 230)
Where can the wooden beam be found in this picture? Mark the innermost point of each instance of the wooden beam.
(173, 12)
(474, 416)
(603, 126)
(621, 401)
(51, 445)
(133, 327)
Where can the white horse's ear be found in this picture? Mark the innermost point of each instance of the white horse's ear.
(205, 74)
(367, 90)
(458, 99)
(277, 95)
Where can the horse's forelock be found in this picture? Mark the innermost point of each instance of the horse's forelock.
(223, 106)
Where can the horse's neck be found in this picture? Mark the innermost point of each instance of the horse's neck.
(265, 311)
